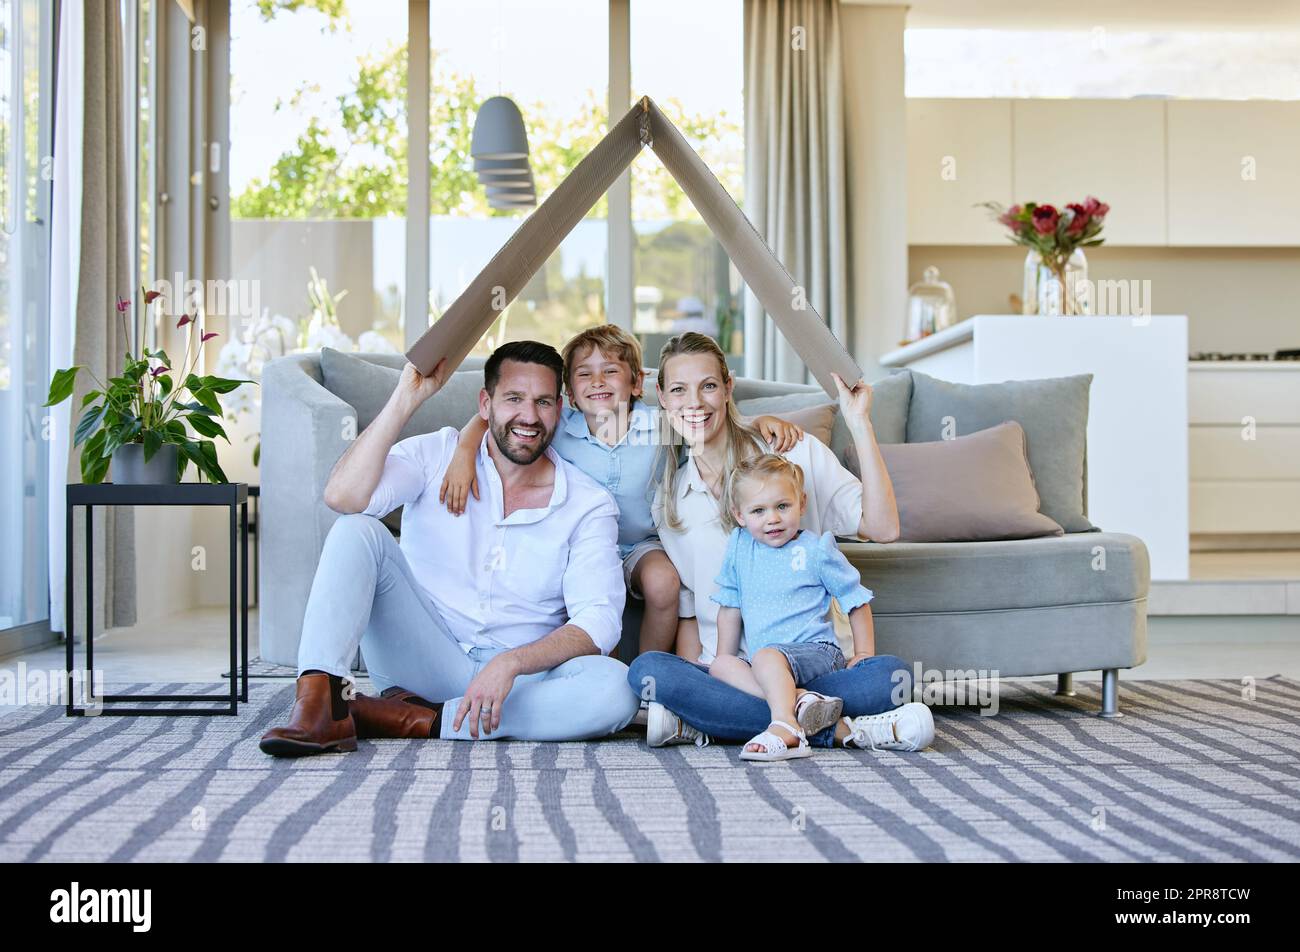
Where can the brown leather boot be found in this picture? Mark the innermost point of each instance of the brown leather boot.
(319, 722)
(395, 713)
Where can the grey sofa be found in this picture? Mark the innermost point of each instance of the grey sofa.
(966, 610)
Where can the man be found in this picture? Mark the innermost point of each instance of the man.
(496, 623)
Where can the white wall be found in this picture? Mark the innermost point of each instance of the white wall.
(1236, 299)
(876, 133)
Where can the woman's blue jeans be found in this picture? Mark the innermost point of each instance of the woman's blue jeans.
(871, 686)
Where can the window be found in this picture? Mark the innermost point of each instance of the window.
(26, 80)
(318, 171)
(552, 59)
(684, 279)
(1101, 64)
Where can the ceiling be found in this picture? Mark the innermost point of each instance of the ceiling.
(1195, 15)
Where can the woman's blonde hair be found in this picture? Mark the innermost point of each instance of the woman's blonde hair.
(759, 468)
(743, 441)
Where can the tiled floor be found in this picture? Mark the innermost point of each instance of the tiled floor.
(193, 647)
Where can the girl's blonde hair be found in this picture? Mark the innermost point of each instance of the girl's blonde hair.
(758, 468)
(743, 440)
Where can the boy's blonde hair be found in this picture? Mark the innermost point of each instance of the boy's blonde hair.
(756, 468)
(612, 340)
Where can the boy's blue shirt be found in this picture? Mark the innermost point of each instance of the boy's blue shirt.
(625, 469)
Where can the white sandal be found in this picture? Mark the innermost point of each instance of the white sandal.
(816, 712)
(774, 748)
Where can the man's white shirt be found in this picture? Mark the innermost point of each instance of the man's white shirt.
(505, 581)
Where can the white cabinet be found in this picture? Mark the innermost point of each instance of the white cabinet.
(958, 154)
(1244, 448)
(1175, 172)
(1065, 150)
(1234, 173)
(1137, 408)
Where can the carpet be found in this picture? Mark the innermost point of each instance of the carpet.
(1195, 771)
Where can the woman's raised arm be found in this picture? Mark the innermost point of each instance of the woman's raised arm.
(879, 508)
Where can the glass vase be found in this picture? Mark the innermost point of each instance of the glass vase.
(1043, 290)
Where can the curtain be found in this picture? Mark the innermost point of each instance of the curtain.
(90, 269)
(795, 187)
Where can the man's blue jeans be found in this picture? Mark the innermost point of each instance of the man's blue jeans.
(871, 686)
(364, 593)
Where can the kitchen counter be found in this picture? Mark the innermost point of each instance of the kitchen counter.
(1138, 407)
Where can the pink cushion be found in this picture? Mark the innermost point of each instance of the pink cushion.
(974, 488)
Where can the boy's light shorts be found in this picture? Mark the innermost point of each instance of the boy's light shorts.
(633, 557)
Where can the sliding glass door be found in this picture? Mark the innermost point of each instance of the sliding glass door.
(25, 119)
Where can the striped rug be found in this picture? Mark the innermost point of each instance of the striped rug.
(1197, 770)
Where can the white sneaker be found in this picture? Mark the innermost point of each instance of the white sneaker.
(642, 715)
(664, 728)
(910, 727)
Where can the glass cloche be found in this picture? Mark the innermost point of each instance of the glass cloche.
(931, 305)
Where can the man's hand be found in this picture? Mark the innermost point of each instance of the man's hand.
(414, 388)
(486, 695)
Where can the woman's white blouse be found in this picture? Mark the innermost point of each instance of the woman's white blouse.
(697, 549)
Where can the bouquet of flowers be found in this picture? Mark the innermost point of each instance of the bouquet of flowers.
(1054, 234)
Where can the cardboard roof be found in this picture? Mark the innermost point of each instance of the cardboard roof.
(471, 315)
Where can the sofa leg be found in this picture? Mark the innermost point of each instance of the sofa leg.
(1065, 685)
(1110, 693)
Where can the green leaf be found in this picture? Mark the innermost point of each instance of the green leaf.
(91, 396)
(87, 424)
(164, 384)
(62, 384)
(208, 450)
(94, 468)
(208, 399)
(189, 450)
(257, 453)
(162, 355)
(197, 407)
(152, 441)
(91, 455)
(207, 426)
(223, 384)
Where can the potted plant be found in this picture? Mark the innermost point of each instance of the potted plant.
(138, 420)
(1056, 270)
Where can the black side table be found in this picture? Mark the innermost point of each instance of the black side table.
(232, 495)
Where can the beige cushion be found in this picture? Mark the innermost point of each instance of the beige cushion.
(818, 421)
(975, 488)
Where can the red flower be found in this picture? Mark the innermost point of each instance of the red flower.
(122, 304)
(185, 319)
(1010, 216)
(160, 369)
(151, 296)
(1096, 208)
(208, 336)
(1045, 219)
(1080, 220)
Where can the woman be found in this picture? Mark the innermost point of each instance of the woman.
(687, 705)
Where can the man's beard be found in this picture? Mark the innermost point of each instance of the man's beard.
(513, 451)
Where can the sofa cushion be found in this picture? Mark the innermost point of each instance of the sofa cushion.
(1053, 413)
(366, 386)
(816, 419)
(963, 577)
(970, 489)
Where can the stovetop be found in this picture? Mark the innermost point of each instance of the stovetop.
(1244, 357)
